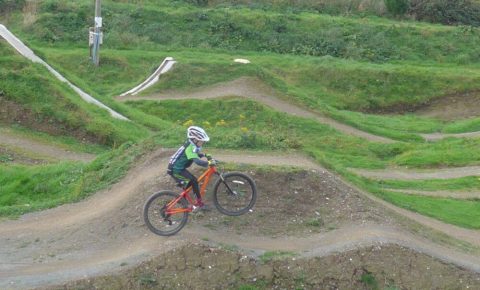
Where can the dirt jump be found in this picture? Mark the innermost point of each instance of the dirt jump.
(334, 235)
(306, 210)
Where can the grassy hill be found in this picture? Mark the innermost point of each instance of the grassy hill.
(356, 69)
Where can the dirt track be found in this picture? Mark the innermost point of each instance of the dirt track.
(412, 174)
(40, 150)
(106, 231)
(254, 88)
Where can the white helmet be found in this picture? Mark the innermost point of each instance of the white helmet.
(194, 132)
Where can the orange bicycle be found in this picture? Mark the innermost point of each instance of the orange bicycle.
(166, 212)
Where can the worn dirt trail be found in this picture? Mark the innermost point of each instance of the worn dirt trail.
(259, 91)
(413, 174)
(442, 193)
(41, 150)
(106, 231)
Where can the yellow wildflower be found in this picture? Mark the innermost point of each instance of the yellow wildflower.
(188, 123)
(221, 123)
(206, 124)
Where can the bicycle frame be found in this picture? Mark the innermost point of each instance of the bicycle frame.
(205, 178)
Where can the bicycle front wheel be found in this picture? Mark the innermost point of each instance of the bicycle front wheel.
(163, 221)
(235, 194)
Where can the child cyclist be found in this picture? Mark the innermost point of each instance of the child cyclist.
(188, 153)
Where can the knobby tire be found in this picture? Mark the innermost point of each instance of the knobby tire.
(238, 197)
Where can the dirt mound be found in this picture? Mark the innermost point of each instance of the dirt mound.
(309, 212)
(200, 267)
(298, 204)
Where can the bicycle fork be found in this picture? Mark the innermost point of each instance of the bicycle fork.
(232, 192)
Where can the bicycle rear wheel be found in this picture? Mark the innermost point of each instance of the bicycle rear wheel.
(156, 217)
(235, 194)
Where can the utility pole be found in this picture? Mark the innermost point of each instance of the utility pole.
(97, 33)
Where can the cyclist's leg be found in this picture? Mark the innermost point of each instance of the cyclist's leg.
(180, 180)
(186, 175)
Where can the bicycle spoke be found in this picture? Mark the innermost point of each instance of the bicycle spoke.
(235, 194)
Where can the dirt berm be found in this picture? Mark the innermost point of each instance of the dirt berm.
(307, 231)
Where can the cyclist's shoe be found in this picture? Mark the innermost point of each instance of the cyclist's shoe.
(200, 206)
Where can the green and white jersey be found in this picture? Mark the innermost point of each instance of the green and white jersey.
(183, 158)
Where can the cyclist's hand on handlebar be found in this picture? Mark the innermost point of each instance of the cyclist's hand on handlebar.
(208, 156)
(212, 162)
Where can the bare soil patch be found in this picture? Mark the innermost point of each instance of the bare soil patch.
(453, 107)
(448, 108)
(197, 266)
(297, 203)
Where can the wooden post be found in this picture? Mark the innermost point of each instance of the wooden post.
(97, 33)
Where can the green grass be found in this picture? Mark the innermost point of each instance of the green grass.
(464, 213)
(258, 129)
(247, 124)
(47, 100)
(276, 255)
(471, 183)
(30, 188)
(176, 25)
(339, 66)
(299, 79)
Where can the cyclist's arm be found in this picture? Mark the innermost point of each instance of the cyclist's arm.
(200, 162)
(195, 157)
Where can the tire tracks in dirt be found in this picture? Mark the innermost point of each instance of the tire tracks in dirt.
(106, 231)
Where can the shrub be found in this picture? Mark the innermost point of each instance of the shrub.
(197, 2)
(396, 7)
(10, 5)
(446, 11)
